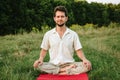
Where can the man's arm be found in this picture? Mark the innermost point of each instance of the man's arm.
(41, 58)
(42, 54)
(86, 62)
(80, 54)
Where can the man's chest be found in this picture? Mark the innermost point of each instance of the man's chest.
(56, 40)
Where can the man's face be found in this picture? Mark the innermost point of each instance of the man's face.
(60, 18)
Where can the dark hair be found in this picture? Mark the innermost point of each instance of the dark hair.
(60, 8)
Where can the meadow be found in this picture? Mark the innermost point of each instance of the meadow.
(100, 45)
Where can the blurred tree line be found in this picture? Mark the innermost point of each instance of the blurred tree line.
(16, 15)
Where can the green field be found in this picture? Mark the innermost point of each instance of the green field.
(101, 46)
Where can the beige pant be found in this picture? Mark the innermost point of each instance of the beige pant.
(54, 69)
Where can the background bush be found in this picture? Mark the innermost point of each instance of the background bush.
(18, 15)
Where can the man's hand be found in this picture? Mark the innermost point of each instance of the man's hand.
(36, 63)
(87, 63)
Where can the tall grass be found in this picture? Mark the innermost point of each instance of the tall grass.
(100, 45)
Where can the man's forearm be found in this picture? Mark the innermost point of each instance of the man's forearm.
(80, 54)
(42, 54)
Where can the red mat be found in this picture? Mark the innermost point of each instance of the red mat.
(82, 76)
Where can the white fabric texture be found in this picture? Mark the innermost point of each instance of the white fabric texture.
(61, 50)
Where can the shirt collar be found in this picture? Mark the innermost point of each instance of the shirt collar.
(67, 31)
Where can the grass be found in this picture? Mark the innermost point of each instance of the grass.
(101, 46)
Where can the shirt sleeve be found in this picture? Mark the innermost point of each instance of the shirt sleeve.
(77, 43)
(45, 42)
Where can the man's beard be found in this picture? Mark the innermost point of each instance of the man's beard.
(61, 25)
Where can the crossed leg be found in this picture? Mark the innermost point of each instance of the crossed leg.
(63, 71)
(73, 68)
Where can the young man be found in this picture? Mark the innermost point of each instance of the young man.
(61, 43)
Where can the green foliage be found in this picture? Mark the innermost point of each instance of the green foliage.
(85, 27)
(35, 30)
(112, 25)
(24, 14)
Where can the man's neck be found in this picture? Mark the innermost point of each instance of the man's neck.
(61, 28)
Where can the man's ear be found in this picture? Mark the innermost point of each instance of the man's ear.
(66, 19)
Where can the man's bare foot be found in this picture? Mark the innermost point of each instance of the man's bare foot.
(71, 66)
(63, 71)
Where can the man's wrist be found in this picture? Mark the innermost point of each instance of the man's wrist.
(40, 59)
(84, 59)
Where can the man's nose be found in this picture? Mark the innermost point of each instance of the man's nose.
(60, 17)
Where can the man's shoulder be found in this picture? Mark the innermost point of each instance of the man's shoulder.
(50, 31)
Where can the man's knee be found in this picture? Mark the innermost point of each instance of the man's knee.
(49, 68)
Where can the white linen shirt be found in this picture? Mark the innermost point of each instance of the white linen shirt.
(61, 50)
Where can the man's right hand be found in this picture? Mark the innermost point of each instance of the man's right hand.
(36, 63)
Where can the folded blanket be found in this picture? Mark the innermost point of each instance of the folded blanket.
(82, 76)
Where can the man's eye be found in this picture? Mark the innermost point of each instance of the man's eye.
(58, 16)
